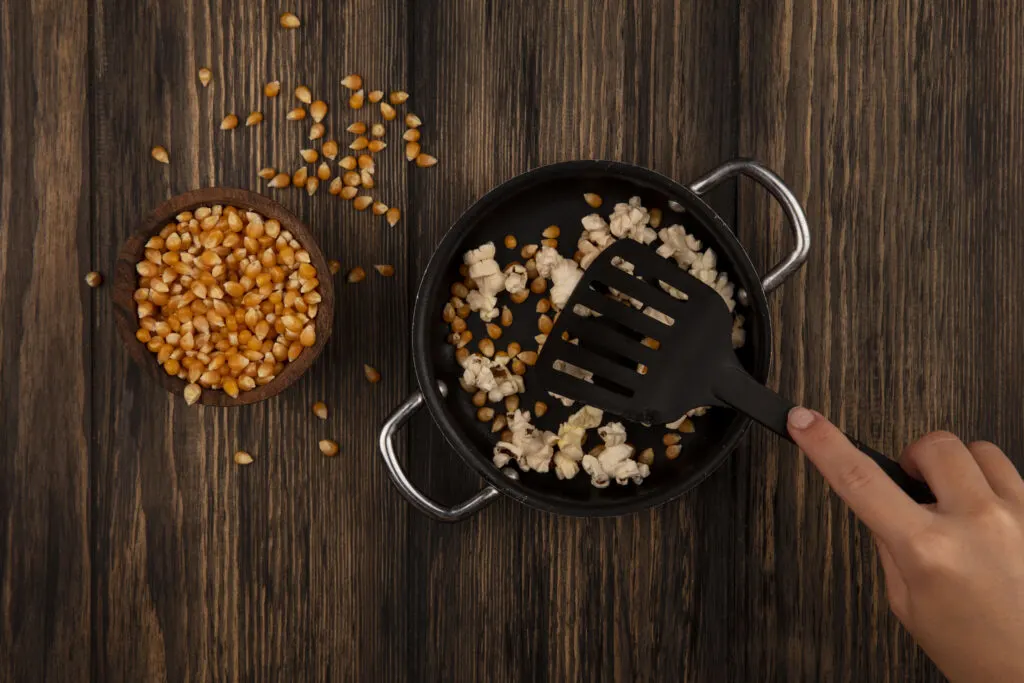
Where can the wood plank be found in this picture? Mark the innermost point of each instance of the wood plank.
(44, 368)
(546, 598)
(204, 570)
(900, 135)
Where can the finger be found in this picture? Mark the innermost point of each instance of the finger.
(870, 493)
(895, 586)
(998, 469)
(950, 470)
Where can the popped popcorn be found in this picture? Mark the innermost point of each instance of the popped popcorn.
(564, 277)
(546, 259)
(516, 279)
(489, 279)
(490, 375)
(633, 221)
(564, 274)
(587, 417)
(684, 249)
(613, 434)
(486, 306)
(567, 464)
(535, 449)
(739, 335)
(598, 478)
(531, 448)
(596, 237)
(617, 462)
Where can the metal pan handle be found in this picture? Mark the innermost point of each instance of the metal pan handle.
(406, 487)
(790, 206)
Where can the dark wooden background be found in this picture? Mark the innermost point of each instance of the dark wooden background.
(133, 549)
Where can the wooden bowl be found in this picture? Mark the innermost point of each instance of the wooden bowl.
(126, 282)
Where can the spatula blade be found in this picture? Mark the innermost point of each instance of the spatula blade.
(632, 347)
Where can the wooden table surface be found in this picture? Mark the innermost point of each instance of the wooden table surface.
(132, 548)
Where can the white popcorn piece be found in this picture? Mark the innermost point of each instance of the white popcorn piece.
(564, 278)
(566, 467)
(677, 244)
(491, 375)
(479, 270)
(539, 458)
(516, 279)
(485, 252)
(590, 252)
(596, 237)
(564, 400)
(613, 434)
(564, 274)
(739, 335)
(572, 452)
(617, 463)
(570, 436)
(546, 259)
(587, 417)
(633, 221)
(489, 279)
(696, 412)
(505, 452)
(598, 478)
(531, 448)
(594, 225)
(486, 306)
(685, 249)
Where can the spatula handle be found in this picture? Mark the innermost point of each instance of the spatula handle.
(744, 393)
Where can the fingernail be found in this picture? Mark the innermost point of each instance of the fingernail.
(800, 418)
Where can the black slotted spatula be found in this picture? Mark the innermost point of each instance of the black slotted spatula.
(692, 365)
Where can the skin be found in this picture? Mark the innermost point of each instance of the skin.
(954, 571)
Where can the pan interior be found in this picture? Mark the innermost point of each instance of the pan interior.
(524, 207)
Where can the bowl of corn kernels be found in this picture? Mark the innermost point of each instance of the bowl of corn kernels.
(223, 296)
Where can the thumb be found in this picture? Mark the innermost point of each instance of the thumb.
(869, 492)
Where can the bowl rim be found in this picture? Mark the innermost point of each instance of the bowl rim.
(125, 282)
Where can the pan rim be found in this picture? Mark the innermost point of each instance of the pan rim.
(447, 250)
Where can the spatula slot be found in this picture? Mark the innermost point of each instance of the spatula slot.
(624, 265)
(584, 312)
(662, 318)
(673, 292)
(647, 294)
(611, 337)
(629, 360)
(630, 319)
(603, 378)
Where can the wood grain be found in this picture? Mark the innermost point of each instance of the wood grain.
(899, 135)
(287, 568)
(45, 418)
(132, 548)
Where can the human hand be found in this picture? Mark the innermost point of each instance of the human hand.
(954, 571)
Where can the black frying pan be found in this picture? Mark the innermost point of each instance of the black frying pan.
(523, 207)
